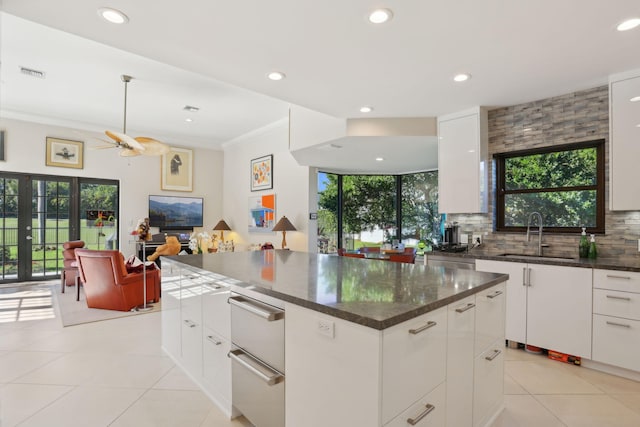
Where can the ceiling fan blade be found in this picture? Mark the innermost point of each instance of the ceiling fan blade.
(130, 153)
(152, 146)
(125, 140)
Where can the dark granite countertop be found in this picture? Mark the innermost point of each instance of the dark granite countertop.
(373, 293)
(599, 263)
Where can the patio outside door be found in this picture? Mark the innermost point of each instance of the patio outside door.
(35, 219)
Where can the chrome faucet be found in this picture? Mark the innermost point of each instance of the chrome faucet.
(539, 217)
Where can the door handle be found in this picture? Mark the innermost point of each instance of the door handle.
(429, 324)
(428, 408)
(29, 238)
(268, 314)
(256, 367)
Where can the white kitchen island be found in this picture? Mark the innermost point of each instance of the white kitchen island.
(367, 342)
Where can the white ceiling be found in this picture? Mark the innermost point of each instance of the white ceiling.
(335, 61)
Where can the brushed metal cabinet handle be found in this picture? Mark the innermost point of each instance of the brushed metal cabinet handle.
(253, 366)
(617, 297)
(214, 340)
(623, 325)
(495, 294)
(493, 356)
(269, 316)
(428, 408)
(524, 276)
(429, 324)
(190, 324)
(529, 277)
(469, 306)
(613, 276)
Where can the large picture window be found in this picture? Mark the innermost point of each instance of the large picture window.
(565, 184)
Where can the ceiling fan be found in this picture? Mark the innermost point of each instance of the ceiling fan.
(129, 146)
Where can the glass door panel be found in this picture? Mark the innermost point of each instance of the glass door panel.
(50, 221)
(9, 228)
(99, 214)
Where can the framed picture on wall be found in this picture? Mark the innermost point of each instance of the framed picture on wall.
(262, 173)
(177, 170)
(262, 213)
(64, 153)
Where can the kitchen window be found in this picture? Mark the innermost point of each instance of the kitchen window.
(564, 183)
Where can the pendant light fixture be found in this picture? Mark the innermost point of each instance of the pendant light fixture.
(140, 145)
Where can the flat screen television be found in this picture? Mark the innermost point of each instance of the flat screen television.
(175, 213)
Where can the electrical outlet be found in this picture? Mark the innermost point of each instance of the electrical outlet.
(477, 239)
(326, 327)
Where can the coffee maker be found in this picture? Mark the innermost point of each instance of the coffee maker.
(451, 234)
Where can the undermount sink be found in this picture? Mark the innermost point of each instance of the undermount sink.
(537, 257)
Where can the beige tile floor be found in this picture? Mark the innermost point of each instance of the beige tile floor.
(113, 373)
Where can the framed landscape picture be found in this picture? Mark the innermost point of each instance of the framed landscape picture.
(177, 170)
(64, 153)
(262, 173)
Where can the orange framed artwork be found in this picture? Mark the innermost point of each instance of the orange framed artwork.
(262, 173)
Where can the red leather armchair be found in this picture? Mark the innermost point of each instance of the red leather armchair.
(70, 275)
(107, 284)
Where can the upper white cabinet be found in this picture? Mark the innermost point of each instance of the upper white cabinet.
(624, 137)
(462, 162)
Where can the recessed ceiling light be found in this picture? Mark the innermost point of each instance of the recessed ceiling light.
(188, 120)
(113, 15)
(629, 24)
(462, 77)
(276, 75)
(366, 109)
(379, 159)
(380, 16)
(635, 99)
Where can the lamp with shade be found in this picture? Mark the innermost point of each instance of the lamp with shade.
(284, 225)
(222, 226)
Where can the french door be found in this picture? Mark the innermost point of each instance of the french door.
(38, 213)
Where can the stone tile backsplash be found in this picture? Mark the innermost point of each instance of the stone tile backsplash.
(575, 117)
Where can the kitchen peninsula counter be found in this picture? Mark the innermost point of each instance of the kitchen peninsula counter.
(373, 293)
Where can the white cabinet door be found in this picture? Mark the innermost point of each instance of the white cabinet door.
(217, 368)
(413, 360)
(624, 147)
(488, 383)
(490, 319)
(460, 342)
(516, 298)
(216, 313)
(170, 284)
(429, 411)
(616, 341)
(559, 309)
(191, 322)
(462, 167)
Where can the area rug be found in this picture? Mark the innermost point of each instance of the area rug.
(74, 312)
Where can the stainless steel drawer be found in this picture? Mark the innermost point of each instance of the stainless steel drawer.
(258, 328)
(257, 389)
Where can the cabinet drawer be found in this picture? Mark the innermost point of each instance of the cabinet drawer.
(615, 303)
(216, 313)
(427, 412)
(413, 360)
(217, 366)
(616, 341)
(625, 281)
(488, 384)
(490, 317)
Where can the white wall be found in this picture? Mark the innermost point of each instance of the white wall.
(290, 185)
(25, 145)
